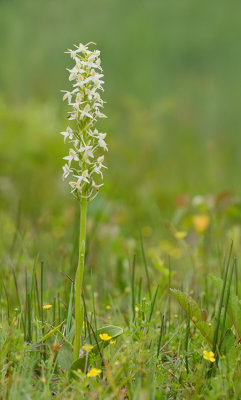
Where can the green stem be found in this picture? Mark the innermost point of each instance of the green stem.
(79, 307)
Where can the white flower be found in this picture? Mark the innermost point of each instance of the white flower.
(86, 112)
(88, 152)
(75, 187)
(96, 134)
(78, 98)
(103, 144)
(73, 75)
(72, 53)
(99, 114)
(89, 64)
(76, 143)
(82, 177)
(94, 185)
(82, 48)
(74, 115)
(100, 160)
(66, 170)
(90, 93)
(87, 142)
(67, 95)
(72, 156)
(68, 134)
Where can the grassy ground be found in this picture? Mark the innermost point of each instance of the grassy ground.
(141, 242)
(167, 217)
(159, 354)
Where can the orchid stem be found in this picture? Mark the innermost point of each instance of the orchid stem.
(79, 306)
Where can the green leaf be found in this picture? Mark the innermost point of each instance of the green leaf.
(65, 356)
(194, 313)
(228, 342)
(111, 330)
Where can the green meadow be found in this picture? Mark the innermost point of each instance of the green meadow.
(162, 272)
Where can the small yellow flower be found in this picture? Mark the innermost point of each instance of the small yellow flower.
(18, 357)
(112, 341)
(105, 336)
(180, 235)
(136, 309)
(94, 372)
(47, 307)
(108, 307)
(208, 355)
(87, 347)
(201, 222)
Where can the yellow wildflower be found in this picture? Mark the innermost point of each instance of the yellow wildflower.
(94, 372)
(208, 355)
(87, 347)
(47, 307)
(105, 336)
(18, 357)
(201, 222)
(112, 341)
(108, 307)
(136, 309)
(180, 235)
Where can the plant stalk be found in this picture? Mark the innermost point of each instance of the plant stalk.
(79, 306)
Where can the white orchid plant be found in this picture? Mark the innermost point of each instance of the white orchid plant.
(84, 163)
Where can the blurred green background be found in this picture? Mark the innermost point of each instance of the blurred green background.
(173, 92)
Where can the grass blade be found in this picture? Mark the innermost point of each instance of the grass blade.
(226, 302)
(133, 300)
(215, 339)
(70, 311)
(50, 333)
(160, 337)
(153, 303)
(145, 265)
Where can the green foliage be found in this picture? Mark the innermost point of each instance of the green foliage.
(98, 346)
(234, 305)
(195, 314)
(173, 101)
(50, 333)
(65, 356)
